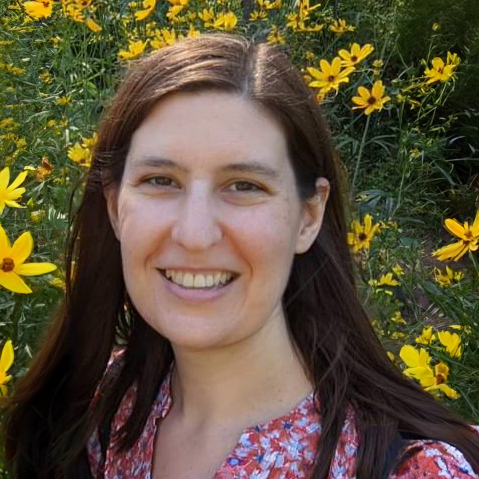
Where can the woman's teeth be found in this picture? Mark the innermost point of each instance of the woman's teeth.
(198, 280)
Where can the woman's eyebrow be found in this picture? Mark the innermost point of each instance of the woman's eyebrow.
(255, 167)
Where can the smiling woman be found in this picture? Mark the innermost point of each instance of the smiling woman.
(212, 327)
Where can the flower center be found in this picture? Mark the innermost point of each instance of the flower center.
(362, 237)
(354, 58)
(440, 379)
(331, 78)
(371, 100)
(7, 265)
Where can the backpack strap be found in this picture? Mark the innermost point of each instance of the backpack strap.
(392, 454)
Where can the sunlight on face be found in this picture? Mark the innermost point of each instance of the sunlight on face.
(209, 219)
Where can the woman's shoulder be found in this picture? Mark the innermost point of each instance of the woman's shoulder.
(433, 459)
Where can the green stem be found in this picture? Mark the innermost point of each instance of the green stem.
(474, 261)
(360, 154)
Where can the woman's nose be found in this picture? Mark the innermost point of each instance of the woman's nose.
(197, 227)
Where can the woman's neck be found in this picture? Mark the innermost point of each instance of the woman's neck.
(242, 384)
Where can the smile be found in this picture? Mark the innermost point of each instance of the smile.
(195, 280)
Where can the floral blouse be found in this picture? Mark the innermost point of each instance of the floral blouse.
(283, 448)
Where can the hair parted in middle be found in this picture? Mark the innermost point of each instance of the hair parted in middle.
(343, 356)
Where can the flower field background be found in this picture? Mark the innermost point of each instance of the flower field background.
(399, 84)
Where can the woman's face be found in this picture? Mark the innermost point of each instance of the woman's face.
(209, 219)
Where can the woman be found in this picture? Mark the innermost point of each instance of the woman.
(212, 270)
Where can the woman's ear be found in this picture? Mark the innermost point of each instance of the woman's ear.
(111, 196)
(312, 216)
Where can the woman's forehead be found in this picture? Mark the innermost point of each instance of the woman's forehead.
(208, 126)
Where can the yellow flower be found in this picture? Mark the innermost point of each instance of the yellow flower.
(79, 154)
(330, 76)
(387, 279)
(12, 259)
(418, 362)
(226, 21)
(148, 7)
(193, 32)
(8, 124)
(134, 50)
(58, 283)
(64, 100)
(39, 9)
(397, 318)
(38, 216)
(6, 360)
(8, 194)
(397, 270)
(356, 55)
(469, 239)
(441, 71)
(274, 36)
(371, 100)
(452, 342)
(176, 7)
(447, 277)
(378, 63)
(258, 15)
(441, 373)
(427, 337)
(340, 26)
(453, 59)
(44, 170)
(92, 25)
(163, 37)
(207, 15)
(418, 365)
(362, 234)
(46, 77)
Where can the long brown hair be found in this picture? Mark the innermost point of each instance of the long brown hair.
(51, 419)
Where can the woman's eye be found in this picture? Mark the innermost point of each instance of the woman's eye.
(160, 181)
(245, 186)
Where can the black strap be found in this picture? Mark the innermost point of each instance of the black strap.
(392, 454)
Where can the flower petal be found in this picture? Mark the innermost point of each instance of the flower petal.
(13, 204)
(18, 180)
(475, 225)
(314, 72)
(378, 89)
(22, 248)
(336, 66)
(364, 92)
(13, 283)
(4, 244)
(455, 228)
(410, 356)
(6, 360)
(325, 67)
(344, 54)
(34, 269)
(16, 193)
(450, 251)
(4, 178)
(437, 63)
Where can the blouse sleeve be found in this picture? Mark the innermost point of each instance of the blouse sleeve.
(433, 460)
